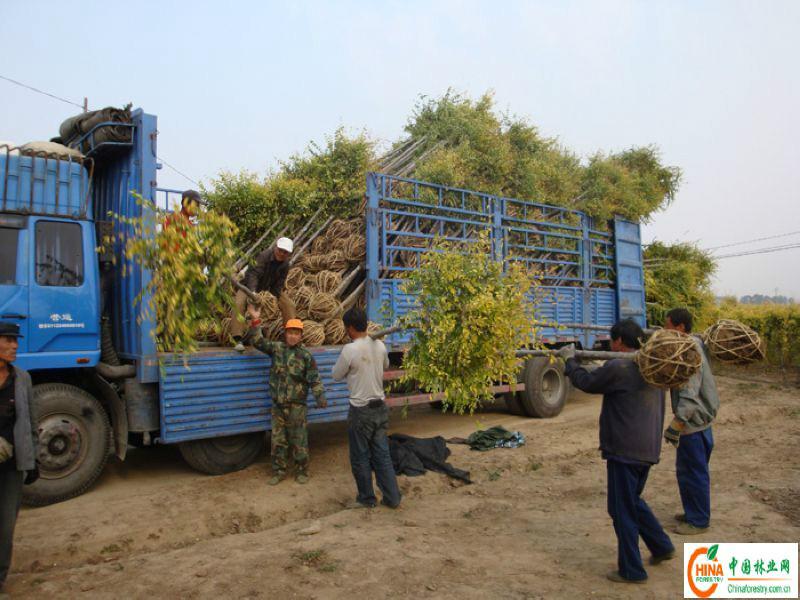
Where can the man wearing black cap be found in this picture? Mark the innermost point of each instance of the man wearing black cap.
(17, 440)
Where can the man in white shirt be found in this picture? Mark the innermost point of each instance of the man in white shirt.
(362, 362)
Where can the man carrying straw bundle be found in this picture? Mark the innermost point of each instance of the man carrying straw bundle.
(292, 373)
(695, 407)
(631, 423)
(268, 274)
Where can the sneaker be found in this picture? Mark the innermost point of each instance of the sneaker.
(301, 478)
(239, 347)
(689, 529)
(656, 560)
(277, 478)
(354, 504)
(386, 504)
(680, 518)
(617, 578)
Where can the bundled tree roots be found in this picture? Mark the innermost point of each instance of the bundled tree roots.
(669, 359)
(733, 342)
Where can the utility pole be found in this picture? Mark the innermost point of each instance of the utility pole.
(85, 104)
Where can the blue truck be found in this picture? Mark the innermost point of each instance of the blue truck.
(100, 385)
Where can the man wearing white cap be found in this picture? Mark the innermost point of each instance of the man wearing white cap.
(267, 275)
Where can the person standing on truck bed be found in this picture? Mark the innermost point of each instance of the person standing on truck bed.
(292, 373)
(17, 441)
(631, 425)
(190, 205)
(268, 274)
(695, 407)
(362, 362)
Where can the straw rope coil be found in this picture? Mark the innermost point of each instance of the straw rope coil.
(301, 298)
(335, 332)
(334, 261)
(295, 278)
(319, 245)
(224, 337)
(327, 281)
(338, 229)
(733, 342)
(313, 333)
(323, 307)
(355, 248)
(315, 263)
(669, 359)
(269, 306)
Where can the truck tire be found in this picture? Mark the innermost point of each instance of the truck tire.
(74, 442)
(545, 388)
(217, 456)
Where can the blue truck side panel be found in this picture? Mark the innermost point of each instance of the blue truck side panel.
(630, 275)
(223, 393)
(131, 171)
(576, 260)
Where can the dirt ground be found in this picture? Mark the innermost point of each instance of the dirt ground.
(532, 525)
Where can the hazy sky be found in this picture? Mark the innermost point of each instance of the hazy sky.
(716, 85)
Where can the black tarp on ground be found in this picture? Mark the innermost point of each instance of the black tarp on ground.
(413, 456)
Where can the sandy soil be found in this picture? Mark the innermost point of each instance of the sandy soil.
(533, 524)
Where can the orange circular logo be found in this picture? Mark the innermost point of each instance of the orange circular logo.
(698, 592)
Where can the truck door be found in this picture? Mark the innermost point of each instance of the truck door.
(64, 302)
(14, 274)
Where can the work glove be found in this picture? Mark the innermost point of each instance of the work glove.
(322, 402)
(6, 450)
(566, 352)
(673, 432)
(32, 476)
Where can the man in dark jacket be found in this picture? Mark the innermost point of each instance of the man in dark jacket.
(267, 275)
(17, 441)
(631, 424)
(695, 407)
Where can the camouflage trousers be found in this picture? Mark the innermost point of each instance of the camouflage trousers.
(289, 437)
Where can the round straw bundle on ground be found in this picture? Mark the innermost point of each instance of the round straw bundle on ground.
(273, 330)
(357, 227)
(334, 261)
(295, 278)
(668, 359)
(361, 302)
(313, 333)
(733, 342)
(323, 307)
(335, 332)
(327, 281)
(269, 306)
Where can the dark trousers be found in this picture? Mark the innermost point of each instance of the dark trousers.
(369, 451)
(694, 481)
(633, 518)
(10, 499)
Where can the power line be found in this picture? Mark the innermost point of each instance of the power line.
(761, 239)
(184, 175)
(760, 251)
(38, 91)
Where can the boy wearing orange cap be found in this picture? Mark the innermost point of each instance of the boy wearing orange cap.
(292, 373)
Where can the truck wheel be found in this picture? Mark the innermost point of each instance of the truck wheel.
(545, 387)
(217, 456)
(74, 438)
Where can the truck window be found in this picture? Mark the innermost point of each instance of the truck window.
(8, 257)
(59, 254)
